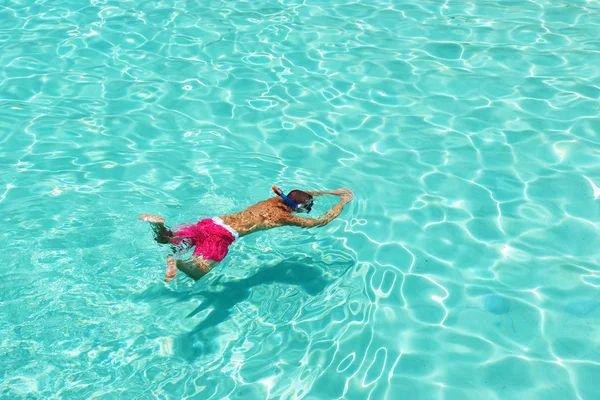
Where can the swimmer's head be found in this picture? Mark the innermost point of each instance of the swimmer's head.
(303, 199)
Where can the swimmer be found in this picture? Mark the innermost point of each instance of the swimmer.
(211, 238)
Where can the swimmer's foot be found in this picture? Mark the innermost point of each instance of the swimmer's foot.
(153, 219)
(171, 271)
(162, 234)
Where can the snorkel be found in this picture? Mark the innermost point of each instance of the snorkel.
(287, 199)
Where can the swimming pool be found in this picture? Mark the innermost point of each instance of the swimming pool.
(465, 268)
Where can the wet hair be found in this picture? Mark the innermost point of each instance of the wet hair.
(299, 197)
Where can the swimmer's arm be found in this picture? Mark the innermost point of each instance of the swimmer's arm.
(346, 196)
(293, 220)
(324, 219)
(319, 193)
(339, 192)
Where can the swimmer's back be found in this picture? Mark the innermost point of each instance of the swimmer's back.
(266, 214)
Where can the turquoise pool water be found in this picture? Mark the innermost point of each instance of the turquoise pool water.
(465, 268)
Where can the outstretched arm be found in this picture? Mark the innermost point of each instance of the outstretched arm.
(319, 193)
(345, 197)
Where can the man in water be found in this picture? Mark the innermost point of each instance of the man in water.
(212, 237)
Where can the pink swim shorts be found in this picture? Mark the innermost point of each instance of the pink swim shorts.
(211, 237)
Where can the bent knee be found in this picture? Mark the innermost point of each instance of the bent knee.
(204, 265)
(196, 268)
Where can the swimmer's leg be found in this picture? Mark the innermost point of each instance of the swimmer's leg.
(162, 234)
(195, 267)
